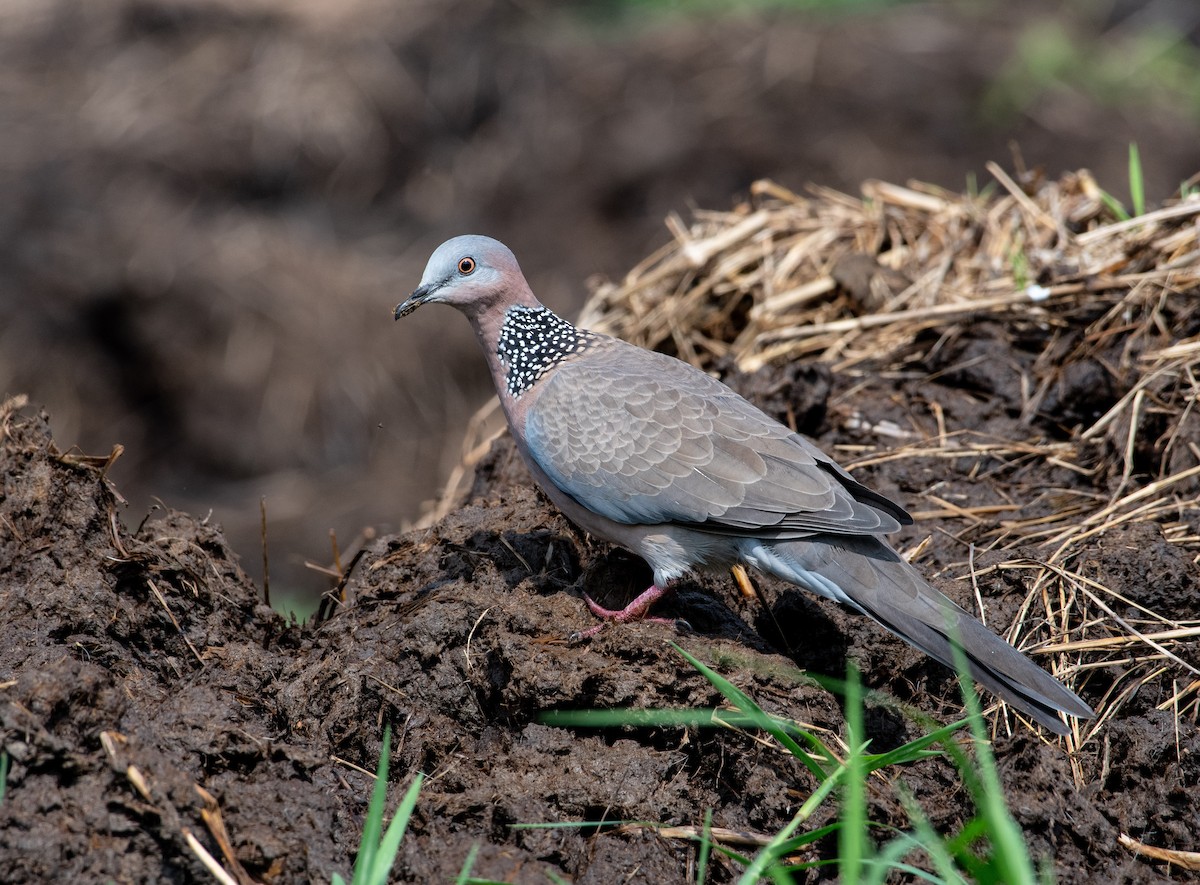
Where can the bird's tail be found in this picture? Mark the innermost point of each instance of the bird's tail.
(866, 574)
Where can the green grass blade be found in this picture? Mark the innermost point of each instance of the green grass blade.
(822, 792)
(760, 719)
(369, 843)
(932, 843)
(3, 774)
(748, 715)
(880, 867)
(377, 850)
(705, 848)
(1137, 181)
(852, 838)
(469, 862)
(805, 839)
(766, 861)
(706, 717)
(390, 846)
(1009, 854)
(771, 852)
(1114, 206)
(914, 749)
(972, 831)
(636, 718)
(735, 856)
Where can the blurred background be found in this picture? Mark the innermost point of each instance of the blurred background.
(208, 208)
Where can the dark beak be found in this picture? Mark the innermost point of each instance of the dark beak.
(415, 300)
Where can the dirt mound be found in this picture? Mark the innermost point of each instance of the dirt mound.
(150, 699)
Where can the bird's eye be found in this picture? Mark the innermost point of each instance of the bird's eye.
(466, 265)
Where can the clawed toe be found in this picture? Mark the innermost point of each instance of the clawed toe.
(604, 614)
(637, 610)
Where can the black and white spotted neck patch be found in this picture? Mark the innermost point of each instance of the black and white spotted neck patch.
(533, 340)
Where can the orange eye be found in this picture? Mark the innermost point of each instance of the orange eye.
(466, 265)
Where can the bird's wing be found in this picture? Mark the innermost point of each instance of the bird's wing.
(643, 439)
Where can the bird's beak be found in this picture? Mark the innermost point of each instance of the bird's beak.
(415, 300)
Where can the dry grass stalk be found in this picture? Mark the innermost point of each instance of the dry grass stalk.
(1188, 860)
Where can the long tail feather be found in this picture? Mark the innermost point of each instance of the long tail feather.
(866, 574)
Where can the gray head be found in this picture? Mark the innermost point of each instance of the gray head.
(472, 273)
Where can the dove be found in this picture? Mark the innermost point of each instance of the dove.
(656, 456)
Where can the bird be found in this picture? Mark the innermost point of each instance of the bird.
(652, 454)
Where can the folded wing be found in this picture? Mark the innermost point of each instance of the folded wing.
(644, 439)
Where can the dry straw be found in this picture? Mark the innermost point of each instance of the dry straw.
(852, 282)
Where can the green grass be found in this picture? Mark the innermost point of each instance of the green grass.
(378, 849)
(1139, 65)
(1137, 181)
(376, 855)
(3, 774)
(1137, 190)
(988, 848)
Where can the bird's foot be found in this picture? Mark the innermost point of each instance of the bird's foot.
(637, 610)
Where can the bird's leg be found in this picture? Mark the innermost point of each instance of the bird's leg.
(637, 610)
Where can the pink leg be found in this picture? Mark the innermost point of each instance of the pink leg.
(635, 611)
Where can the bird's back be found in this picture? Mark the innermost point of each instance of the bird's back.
(644, 438)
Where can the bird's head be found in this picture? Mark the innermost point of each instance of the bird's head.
(471, 273)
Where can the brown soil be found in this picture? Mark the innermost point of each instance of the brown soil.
(139, 666)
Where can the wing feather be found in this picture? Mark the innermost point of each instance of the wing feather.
(641, 438)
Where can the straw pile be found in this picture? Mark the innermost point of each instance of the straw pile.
(872, 285)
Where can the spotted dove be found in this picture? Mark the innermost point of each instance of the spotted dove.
(646, 451)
